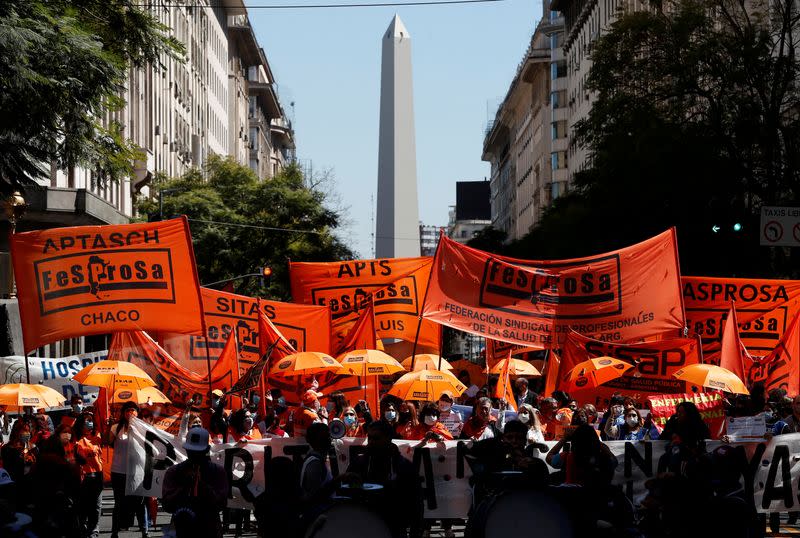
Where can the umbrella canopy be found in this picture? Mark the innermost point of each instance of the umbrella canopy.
(426, 385)
(712, 377)
(306, 363)
(19, 395)
(595, 372)
(425, 361)
(369, 362)
(114, 375)
(140, 396)
(517, 367)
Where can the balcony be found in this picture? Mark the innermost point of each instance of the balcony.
(267, 98)
(282, 132)
(50, 206)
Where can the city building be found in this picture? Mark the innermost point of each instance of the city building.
(220, 100)
(527, 141)
(472, 212)
(429, 238)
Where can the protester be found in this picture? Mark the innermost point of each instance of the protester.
(613, 418)
(43, 427)
(481, 424)
(591, 414)
(790, 424)
(240, 426)
(310, 412)
(429, 428)
(19, 454)
(269, 425)
(547, 417)
(351, 424)
(5, 424)
(337, 402)
(529, 416)
(448, 416)
(219, 418)
(406, 419)
(389, 415)
(90, 458)
(636, 428)
(196, 490)
(125, 506)
(523, 395)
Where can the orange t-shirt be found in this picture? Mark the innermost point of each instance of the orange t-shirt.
(89, 449)
(302, 420)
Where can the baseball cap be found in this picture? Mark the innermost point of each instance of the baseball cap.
(5, 478)
(218, 393)
(446, 394)
(197, 440)
(310, 396)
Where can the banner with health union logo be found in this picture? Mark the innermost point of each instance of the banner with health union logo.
(101, 279)
(618, 296)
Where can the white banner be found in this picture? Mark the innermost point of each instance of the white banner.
(54, 373)
(443, 469)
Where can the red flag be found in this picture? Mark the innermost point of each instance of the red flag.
(781, 368)
(269, 337)
(101, 412)
(362, 334)
(229, 362)
(733, 353)
(551, 380)
(503, 388)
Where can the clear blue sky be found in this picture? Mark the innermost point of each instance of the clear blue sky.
(328, 62)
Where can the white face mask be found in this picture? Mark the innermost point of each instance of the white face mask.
(445, 406)
(524, 418)
(390, 415)
(632, 422)
(430, 420)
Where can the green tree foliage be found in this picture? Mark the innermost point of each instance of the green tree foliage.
(695, 123)
(227, 192)
(489, 239)
(63, 64)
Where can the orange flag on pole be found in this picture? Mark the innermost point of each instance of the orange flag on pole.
(503, 388)
(781, 368)
(733, 352)
(229, 362)
(269, 337)
(551, 379)
(362, 334)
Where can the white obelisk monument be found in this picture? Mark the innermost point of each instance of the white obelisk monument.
(397, 217)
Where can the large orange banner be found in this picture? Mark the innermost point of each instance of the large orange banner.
(653, 366)
(764, 309)
(627, 294)
(396, 284)
(101, 279)
(781, 368)
(306, 327)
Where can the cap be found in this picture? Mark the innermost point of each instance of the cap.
(310, 396)
(218, 392)
(5, 478)
(446, 394)
(197, 440)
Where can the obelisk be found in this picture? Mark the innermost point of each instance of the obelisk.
(397, 217)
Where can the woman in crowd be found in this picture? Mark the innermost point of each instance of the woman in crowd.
(637, 429)
(337, 402)
(482, 425)
(406, 419)
(19, 454)
(240, 426)
(90, 458)
(529, 416)
(389, 415)
(429, 428)
(125, 506)
(448, 416)
(350, 419)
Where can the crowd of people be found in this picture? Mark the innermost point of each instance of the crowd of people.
(52, 470)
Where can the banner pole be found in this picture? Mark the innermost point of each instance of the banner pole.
(700, 348)
(208, 363)
(27, 371)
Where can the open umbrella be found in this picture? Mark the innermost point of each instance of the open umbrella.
(712, 377)
(426, 361)
(144, 395)
(19, 395)
(114, 375)
(595, 372)
(306, 363)
(516, 367)
(369, 362)
(426, 385)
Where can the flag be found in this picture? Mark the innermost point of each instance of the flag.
(551, 379)
(503, 389)
(733, 352)
(270, 342)
(362, 334)
(229, 361)
(781, 368)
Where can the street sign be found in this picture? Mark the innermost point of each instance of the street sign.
(780, 226)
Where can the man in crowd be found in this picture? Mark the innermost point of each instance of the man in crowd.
(310, 412)
(523, 395)
(547, 416)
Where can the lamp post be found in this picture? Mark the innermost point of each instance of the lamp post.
(14, 208)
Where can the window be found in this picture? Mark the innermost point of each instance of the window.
(559, 129)
(558, 160)
(557, 188)
(558, 99)
(558, 69)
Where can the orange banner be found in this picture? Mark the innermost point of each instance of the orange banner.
(627, 294)
(710, 404)
(306, 327)
(781, 368)
(396, 284)
(654, 363)
(763, 307)
(101, 279)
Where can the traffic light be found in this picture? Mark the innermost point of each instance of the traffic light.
(266, 273)
(737, 226)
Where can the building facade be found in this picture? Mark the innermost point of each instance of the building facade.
(526, 142)
(429, 238)
(472, 212)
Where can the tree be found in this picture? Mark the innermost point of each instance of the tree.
(63, 64)
(695, 123)
(229, 208)
(489, 239)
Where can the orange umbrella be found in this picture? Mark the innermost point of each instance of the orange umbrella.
(595, 372)
(369, 362)
(306, 363)
(19, 395)
(114, 375)
(426, 361)
(712, 377)
(426, 385)
(143, 395)
(517, 367)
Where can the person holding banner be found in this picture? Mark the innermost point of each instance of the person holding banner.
(406, 419)
(310, 413)
(451, 419)
(636, 428)
(389, 415)
(90, 458)
(125, 506)
(529, 415)
(482, 425)
(429, 428)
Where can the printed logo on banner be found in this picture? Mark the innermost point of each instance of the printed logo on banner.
(504, 284)
(398, 297)
(759, 335)
(104, 277)
(284, 365)
(248, 338)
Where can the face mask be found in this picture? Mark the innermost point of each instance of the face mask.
(524, 418)
(77, 408)
(65, 437)
(390, 415)
(350, 421)
(445, 406)
(632, 422)
(89, 426)
(430, 420)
